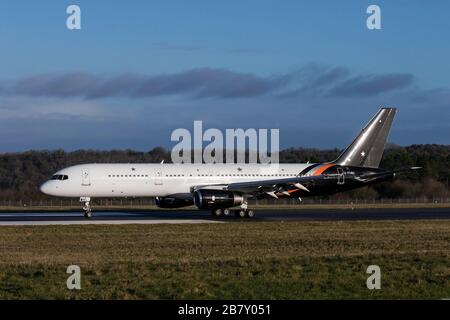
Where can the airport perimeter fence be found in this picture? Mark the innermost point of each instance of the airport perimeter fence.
(144, 202)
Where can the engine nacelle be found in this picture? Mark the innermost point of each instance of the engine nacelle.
(173, 202)
(210, 199)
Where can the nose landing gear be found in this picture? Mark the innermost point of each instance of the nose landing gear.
(87, 213)
(87, 207)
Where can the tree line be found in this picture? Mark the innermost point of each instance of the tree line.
(21, 173)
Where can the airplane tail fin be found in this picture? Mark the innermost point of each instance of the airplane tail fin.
(368, 147)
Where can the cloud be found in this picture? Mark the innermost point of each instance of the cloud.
(189, 47)
(311, 80)
(63, 110)
(176, 46)
(199, 83)
(29, 107)
(66, 85)
(314, 80)
(371, 85)
(247, 50)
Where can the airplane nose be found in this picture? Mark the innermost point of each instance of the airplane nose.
(45, 188)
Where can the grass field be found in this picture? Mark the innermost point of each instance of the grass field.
(242, 260)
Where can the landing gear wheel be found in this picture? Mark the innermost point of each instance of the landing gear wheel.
(250, 213)
(87, 206)
(88, 214)
(217, 212)
(240, 213)
(226, 212)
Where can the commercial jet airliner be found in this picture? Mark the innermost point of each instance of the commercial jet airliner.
(219, 187)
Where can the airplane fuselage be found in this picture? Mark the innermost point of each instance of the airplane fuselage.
(162, 180)
(157, 180)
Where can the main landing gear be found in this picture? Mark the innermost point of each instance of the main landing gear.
(239, 213)
(87, 207)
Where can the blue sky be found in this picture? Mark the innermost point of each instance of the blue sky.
(139, 69)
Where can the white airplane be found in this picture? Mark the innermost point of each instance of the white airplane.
(219, 187)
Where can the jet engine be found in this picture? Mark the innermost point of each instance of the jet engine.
(210, 199)
(173, 202)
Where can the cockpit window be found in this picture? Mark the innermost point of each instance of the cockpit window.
(59, 177)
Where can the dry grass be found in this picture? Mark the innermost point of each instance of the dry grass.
(233, 260)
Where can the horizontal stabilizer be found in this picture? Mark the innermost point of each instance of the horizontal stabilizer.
(388, 172)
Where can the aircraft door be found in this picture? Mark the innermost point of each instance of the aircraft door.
(341, 176)
(85, 177)
(158, 178)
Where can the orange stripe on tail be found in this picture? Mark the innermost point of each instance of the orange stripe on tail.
(322, 168)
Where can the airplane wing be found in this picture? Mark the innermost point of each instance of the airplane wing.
(275, 186)
(286, 186)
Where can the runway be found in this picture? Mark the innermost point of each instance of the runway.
(189, 217)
